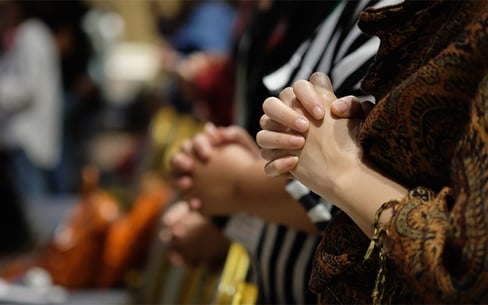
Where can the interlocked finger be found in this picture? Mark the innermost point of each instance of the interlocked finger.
(268, 124)
(186, 147)
(276, 140)
(281, 166)
(273, 154)
(280, 112)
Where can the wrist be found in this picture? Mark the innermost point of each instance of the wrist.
(362, 189)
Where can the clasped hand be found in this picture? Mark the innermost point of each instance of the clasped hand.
(205, 170)
(312, 135)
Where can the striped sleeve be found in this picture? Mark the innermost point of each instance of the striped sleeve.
(339, 49)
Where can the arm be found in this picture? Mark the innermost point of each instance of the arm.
(221, 177)
(22, 68)
(231, 182)
(331, 162)
(432, 244)
(191, 238)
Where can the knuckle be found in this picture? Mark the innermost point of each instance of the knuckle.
(263, 121)
(286, 93)
(267, 102)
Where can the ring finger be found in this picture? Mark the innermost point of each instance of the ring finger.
(276, 140)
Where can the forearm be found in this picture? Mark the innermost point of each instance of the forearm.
(267, 198)
(362, 190)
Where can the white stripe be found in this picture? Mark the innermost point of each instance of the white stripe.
(387, 2)
(280, 78)
(281, 263)
(361, 6)
(319, 43)
(353, 34)
(326, 61)
(319, 213)
(296, 189)
(349, 64)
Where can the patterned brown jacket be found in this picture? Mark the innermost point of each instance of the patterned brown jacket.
(429, 131)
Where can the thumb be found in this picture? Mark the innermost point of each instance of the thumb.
(347, 107)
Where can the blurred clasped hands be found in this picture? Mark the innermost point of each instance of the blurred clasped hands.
(203, 172)
(307, 133)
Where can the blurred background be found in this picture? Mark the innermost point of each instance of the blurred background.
(93, 98)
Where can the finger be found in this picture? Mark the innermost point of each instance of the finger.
(182, 184)
(268, 124)
(181, 168)
(238, 135)
(310, 94)
(276, 140)
(309, 99)
(211, 132)
(196, 204)
(347, 107)
(181, 164)
(186, 147)
(273, 154)
(202, 147)
(175, 212)
(281, 166)
(323, 85)
(322, 80)
(281, 113)
(287, 96)
(179, 230)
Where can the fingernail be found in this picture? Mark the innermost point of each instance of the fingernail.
(340, 106)
(294, 160)
(301, 124)
(322, 80)
(318, 112)
(210, 126)
(270, 170)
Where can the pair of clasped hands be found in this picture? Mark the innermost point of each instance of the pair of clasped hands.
(307, 133)
(312, 135)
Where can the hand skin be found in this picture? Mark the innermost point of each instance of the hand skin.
(331, 162)
(191, 238)
(224, 175)
(200, 147)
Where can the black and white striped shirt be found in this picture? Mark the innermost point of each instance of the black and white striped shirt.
(339, 49)
(282, 258)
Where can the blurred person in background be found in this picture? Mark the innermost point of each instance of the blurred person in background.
(197, 40)
(279, 242)
(81, 94)
(30, 97)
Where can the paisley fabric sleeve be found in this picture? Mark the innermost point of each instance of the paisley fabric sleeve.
(438, 242)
